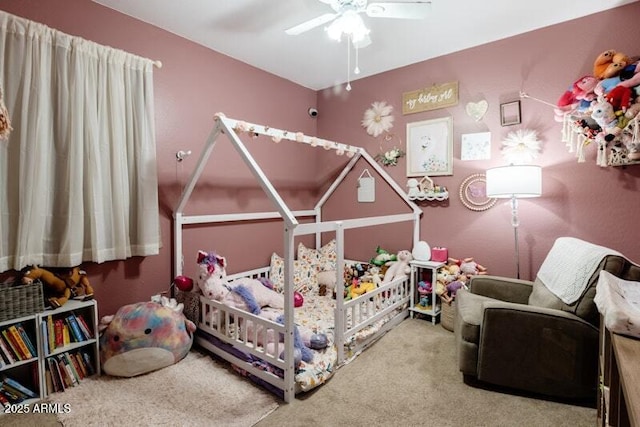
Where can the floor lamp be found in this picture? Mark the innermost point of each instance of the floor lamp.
(514, 182)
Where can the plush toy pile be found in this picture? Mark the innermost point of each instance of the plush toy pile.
(455, 275)
(603, 107)
(383, 268)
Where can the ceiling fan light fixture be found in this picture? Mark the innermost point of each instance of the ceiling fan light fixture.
(349, 23)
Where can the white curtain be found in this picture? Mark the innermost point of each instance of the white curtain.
(78, 171)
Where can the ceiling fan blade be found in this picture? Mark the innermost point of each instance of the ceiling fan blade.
(311, 24)
(408, 10)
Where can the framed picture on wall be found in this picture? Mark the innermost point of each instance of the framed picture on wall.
(430, 147)
(510, 113)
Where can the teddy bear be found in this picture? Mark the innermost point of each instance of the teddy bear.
(400, 268)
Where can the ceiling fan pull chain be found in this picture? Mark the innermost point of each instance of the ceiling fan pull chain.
(349, 64)
(356, 70)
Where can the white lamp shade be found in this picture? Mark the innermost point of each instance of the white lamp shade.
(514, 181)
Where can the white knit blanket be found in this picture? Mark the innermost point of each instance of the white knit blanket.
(569, 265)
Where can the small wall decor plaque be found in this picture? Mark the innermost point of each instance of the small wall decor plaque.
(510, 113)
(430, 98)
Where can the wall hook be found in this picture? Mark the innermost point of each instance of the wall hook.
(181, 155)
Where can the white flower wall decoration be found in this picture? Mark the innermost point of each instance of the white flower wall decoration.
(521, 147)
(378, 119)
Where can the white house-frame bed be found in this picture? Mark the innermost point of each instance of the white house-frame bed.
(391, 299)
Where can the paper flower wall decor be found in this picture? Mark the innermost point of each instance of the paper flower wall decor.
(390, 158)
(521, 146)
(378, 119)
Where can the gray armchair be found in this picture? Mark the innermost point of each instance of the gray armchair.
(518, 334)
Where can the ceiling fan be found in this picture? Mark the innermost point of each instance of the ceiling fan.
(349, 10)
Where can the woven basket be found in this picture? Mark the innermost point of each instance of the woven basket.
(191, 301)
(447, 315)
(17, 300)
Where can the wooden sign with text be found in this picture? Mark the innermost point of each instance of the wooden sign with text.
(431, 98)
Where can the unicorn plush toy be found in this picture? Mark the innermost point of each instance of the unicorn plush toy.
(248, 294)
(252, 295)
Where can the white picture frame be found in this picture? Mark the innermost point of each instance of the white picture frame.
(475, 146)
(430, 147)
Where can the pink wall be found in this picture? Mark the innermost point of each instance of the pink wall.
(581, 200)
(194, 83)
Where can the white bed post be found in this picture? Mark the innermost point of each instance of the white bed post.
(289, 374)
(339, 314)
(184, 197)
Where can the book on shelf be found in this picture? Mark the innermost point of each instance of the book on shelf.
(48, 380)
(74, 328)
(64, 374)
(73, 364)
(15, 386)
(66, 338)
(84, 326)
(58, 334)
(4, 401)
(6, 352)
(51, 335)
(88, 364)
(56, 376)
(72, 378)
(22, 345)
(10, 396)
(80, 367)
(26, 339)
(8, 338)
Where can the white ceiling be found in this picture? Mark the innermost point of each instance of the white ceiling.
(252, 31)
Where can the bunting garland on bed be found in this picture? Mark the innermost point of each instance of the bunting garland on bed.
(277, 135)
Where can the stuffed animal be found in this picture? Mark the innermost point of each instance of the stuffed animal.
(399, 268)
(59, 287)
(144, 337)
(469, 267)
(602, 62)
(619, 97)
(382, 257)
(582, 90)
(617, 66)
(424, 288)
(609, 64)
(632, 80)
(56, 292)
(246, 294)
(78, 282)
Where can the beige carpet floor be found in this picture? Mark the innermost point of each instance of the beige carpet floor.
(408, 378)
(197, 391)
